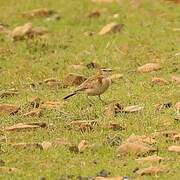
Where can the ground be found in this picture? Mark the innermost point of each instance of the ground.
(150, 34)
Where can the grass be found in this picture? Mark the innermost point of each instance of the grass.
(149, 34)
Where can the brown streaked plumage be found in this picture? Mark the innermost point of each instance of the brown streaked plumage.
(93, 86)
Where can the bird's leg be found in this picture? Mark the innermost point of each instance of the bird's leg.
(90, 101)
(101, 99)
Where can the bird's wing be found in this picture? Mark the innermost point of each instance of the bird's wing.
(90, 83)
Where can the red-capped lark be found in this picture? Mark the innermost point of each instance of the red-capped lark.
(93, 86)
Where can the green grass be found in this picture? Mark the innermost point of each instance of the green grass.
(149, 34)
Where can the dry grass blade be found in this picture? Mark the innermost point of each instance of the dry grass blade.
(26, 126)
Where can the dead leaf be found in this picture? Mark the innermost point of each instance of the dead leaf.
(115, 126)
(4, 169)
(177, 106)
(26, 126)
(37, 31)
(176, 137)
(135, 3)
(159, 81)
(177, 118)
(116, 77)
(8, 109)
(94, 14)
(83, 125)
(26, 145)
(174, 149)
(79, 66)
(111, 28)
(35, 112)
(142, 139)
(175, 1)
(153, 170)
(104, 1)
(51, 82)
(176, 79)
(149, 67)
(51, 105)
(74, 79)
(116, 15)
(133, 109)
(137, 148)
(20, 32)
(112, 109)
(169, 133)
(83, 145)
(8, 93)
(153, 158)
(41, 12)
(110, 178)
(61, 142)
(27, 30)
(46, 145)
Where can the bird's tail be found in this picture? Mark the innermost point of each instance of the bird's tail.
(69, 95)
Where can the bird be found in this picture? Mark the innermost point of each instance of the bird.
(93, 86)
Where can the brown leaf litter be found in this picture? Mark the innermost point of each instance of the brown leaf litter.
(83, 125)
(52, 82)
(104, 1)
(26, 126)
(159, 81)
(83, 145)
(110, 178)
(51, 105)
(4, 169)
(149, 67)
(116, 77)
(74, 79)
(153, 158)
(9, 109)
(138, 145)
(113, 108)
(152, 170)
(174, 148)
(175, 79)
(33, 113)
(27, 31)
(176, 137)
(177, 105)
(39, 13)
(8, 93)
(113, 27)
(94, 14)
(115, 126)
(61, 142)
